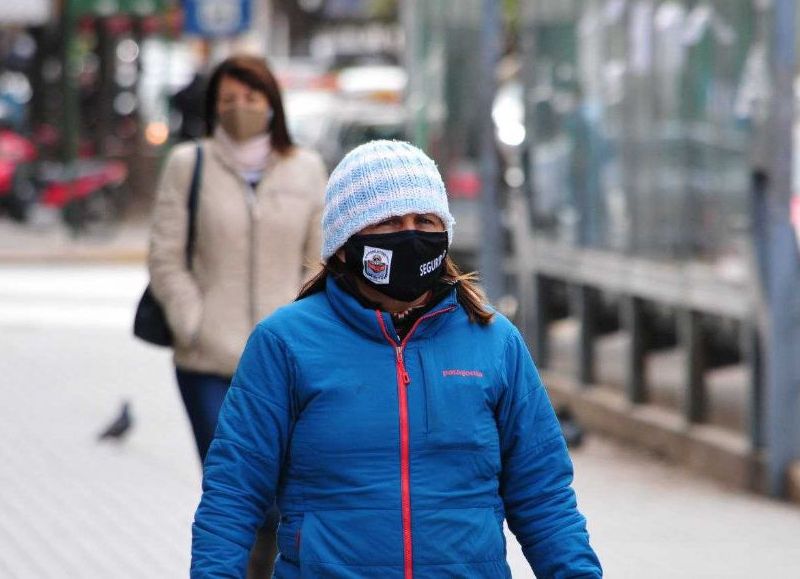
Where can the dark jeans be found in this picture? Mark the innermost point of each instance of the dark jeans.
(203, 395)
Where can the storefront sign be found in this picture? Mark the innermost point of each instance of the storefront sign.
(110, 7)
(216, 18)
(29, 12)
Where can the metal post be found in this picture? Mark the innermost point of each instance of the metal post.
(261, 28)
(491, 251)
(782, 328)
(541, 321)
(586, 302)
(633, 321)
(693, 342)
(751, 349)
(414, 61)
(69, 126)
(43, 36)
(105, 112)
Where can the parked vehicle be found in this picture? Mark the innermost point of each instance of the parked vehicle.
(88, 195)
(17, 190)
(357, 122)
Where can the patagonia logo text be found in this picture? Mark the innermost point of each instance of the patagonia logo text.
(473, 373)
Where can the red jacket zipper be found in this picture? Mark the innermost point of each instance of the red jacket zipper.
(403, 380)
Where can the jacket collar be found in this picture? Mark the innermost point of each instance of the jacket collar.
(365, 320)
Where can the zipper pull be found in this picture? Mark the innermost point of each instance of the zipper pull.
(401, 364)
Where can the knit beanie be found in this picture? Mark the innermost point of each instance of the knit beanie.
(378, 180)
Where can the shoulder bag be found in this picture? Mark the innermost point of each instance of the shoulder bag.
(150, 323)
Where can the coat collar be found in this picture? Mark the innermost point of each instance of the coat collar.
(226, 161)
(365, 320)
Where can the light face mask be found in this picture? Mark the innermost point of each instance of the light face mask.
(402, 265)
(243, 123)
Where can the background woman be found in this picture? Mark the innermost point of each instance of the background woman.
(257, 227)
(397, 418)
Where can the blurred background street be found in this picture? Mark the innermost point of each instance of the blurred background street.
(625, 174)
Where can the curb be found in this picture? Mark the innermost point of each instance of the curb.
(127, 255)
(793, 484)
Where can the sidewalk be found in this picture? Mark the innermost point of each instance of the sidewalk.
(73, 507)
(51, 241)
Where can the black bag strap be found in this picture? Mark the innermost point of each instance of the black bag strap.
(194, 194)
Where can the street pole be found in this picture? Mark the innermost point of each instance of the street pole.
(69, 73)
(782, 267)
(491, 245)
(409, 16)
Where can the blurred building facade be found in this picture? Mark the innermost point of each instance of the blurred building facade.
(643, 191)
(649, 226)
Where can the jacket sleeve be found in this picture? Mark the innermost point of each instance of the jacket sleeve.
(311, 258)
(170, 279)
(537, 473)
(243, 463)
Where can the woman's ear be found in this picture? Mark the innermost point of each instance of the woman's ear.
(340, 255)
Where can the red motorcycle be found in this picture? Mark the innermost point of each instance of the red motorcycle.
(91, 192)
(17, 189)
(87, 192)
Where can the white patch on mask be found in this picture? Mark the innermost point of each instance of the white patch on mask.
(377, 264)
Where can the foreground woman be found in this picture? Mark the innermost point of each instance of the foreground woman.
(397, 418)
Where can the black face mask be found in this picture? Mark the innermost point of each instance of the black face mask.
(402, 265)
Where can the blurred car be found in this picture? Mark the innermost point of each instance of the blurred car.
(373, 83)
(333, 111)
(309, 114)
(369, 105)
(355, 123)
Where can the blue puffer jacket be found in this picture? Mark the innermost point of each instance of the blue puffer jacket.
(388, 459)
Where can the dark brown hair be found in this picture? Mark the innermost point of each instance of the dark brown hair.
(254, 72)
(469, 295)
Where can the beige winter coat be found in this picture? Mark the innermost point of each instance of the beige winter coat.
(252, 249)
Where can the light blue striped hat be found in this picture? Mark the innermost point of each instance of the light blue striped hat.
(377, 180)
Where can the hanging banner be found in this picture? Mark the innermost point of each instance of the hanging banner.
(216, 18)
(112, 7)
(27, 13)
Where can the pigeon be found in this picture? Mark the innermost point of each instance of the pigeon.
(120, 426)
(572, 430)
